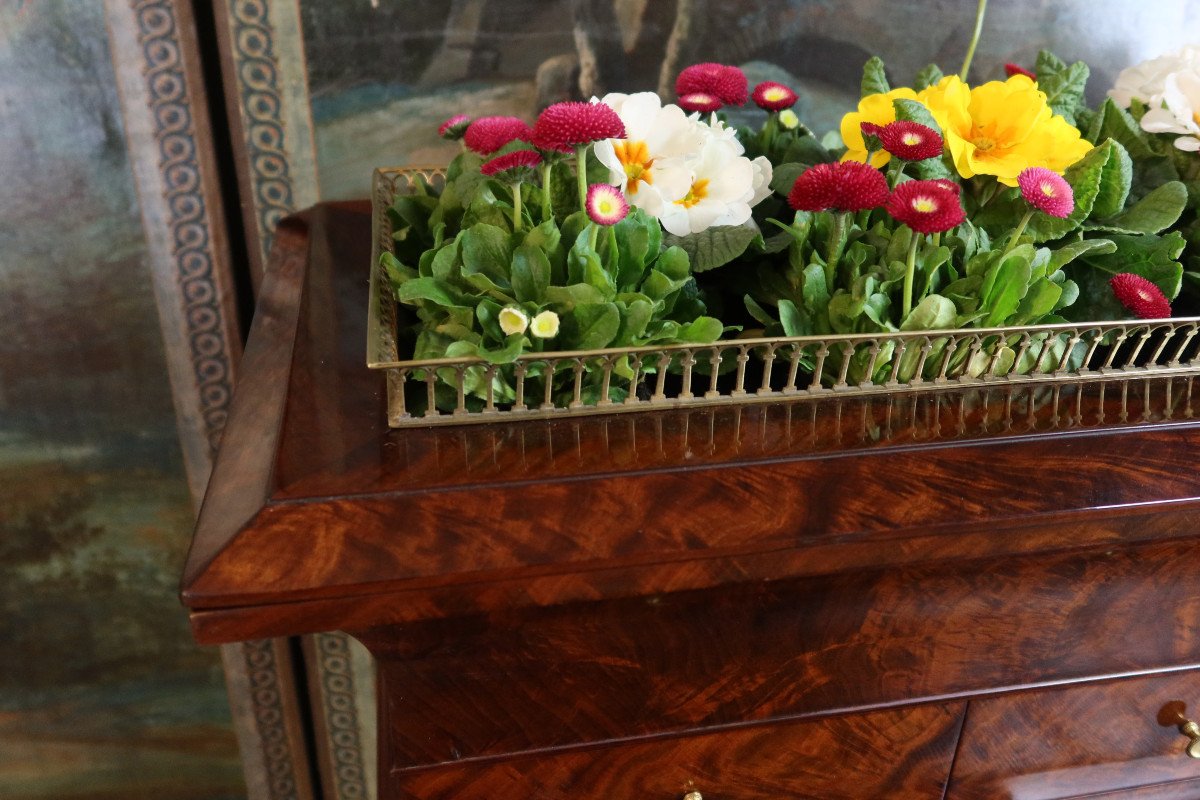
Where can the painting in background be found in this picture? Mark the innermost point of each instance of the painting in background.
(383, 73)
(102, 692)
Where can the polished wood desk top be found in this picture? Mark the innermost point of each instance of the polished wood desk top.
(319, 517)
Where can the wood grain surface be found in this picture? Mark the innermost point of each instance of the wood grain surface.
(1078, 741)
(900, 754)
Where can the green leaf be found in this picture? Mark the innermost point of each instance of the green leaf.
(446, 261)
(928, 76)
(567, 297)
(815, 291)
(715, 246)
(912, 111)
(807, 150)
(934, 312)
(1073, 250)
(1115, 181)
(591, 327)
(1041, 299)
(674, 263)
(1152, 256)
(1005, 284)
(634, 321)
(1114, 122)
(758, 312)
(1047, 63)
(513, 346)
(783, 178)
(1155, 212)
(1064, 89)
(874, 78)
(430, 289)
(791, 319)
(397, 273)
(844, 310)
(701, 330)
(530, 273)
(486, 249)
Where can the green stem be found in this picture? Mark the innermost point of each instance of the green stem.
(1012, 242)
(979, 12)
(547, 210)
(769, 132)
(594, 237)
(517, 221)
(899, 173)
(581, 173)
(834, 248)
(909, 275)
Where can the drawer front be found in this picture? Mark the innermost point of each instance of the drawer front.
(1116, 736)
(896, 754)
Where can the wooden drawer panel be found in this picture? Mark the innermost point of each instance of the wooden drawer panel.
(897, 754)
(1080, 741)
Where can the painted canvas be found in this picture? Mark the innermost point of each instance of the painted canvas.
(102, 692)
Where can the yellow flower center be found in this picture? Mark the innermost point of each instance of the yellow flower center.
(911, 138)
(775, 94)
(606, 207)
(983, 143)
(924, 205)
(635, 158)
(698, 192)
(1048, 189)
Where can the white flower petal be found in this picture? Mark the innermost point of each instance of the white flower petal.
(1189, 143)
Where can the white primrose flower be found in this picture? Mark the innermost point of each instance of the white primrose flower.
(1147, 81)
(513, 320)
(725, 186)
(650, 163)
(544, 325)
(1180, 110)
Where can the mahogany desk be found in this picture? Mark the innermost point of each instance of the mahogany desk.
(962, 594)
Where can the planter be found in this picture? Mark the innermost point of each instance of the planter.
(616, 380)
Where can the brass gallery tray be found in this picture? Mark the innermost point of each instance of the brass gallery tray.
(736, 371)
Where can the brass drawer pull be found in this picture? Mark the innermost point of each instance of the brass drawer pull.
(1191, 730)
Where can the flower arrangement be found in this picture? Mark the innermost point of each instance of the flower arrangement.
(629, 221)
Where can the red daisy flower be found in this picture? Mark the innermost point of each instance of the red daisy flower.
(565, 126)
(486, 135)
(910, 141)
(1047, 191)
(772, 96)
(454, 128)
(727, 84)
(1140, 296)
(511, 167)
(947, 184)
(699, 101)
(845, 186)
(926, 206)
(1017, 69)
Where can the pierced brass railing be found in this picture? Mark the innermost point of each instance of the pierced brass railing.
(613, 380)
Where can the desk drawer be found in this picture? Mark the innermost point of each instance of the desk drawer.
(1116, 736)
(896, 754)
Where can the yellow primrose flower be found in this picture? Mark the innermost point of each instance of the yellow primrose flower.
(875, 108)
(1002, 128)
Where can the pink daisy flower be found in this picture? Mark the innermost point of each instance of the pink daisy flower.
(565, 126)
(727, 84)
(454, 128)
(845, 186)
(1017, 69)
(1140, 296)
(926, 206)
(486, 135)
(910, 141)
(1047, 191)
(699, 101)
(605, 204)
(772, 96)
(512, 167)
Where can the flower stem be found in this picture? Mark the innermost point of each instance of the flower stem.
(899, 173)
(835, 246)
(1012, 242)
(547, 210)
(517, 221)
(909, 275)
(581, 173)
(594, 237)
(979, 13)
